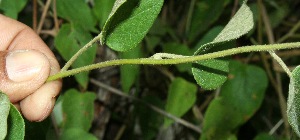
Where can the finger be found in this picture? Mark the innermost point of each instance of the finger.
(22, 72)
(37, 106)
(16, 36)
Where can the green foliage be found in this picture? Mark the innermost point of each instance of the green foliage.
(211, 74)
(76, 106)
(124, 24)
(181, 97)
(240, 97)
(102, 9)
(264, 136)
(129, 73)
(150, 120)
(77, 134)
(16, 125)
(129, 22)
(11, 8)
(293, 103)
(76, 34)
(204, 10)
(83, 17)
(4, 109)
(68, 42)
(12, 124)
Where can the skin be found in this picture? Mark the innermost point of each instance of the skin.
(25, 64)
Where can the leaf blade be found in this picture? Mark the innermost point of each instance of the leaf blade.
(4, 109)
(128, 24)
(293, 101)
(240, 24)
(180, 89)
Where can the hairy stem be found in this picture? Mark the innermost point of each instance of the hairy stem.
(176, 60)
(83, 49)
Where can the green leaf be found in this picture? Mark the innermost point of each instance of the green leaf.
(209, 36)
(78, 109)
(37, 130)
(218, 121)
(129, 22)
(11, 8)
(240, 97)
(278, 13)
(129, 73)
(16, 125)
(68, 42)
(102, 9)
(246, 85)
(58, 111)
(293, 103)
(181, 97)
(77, 134)
(77, 12)
(4, 109)
(211, 74)
(205, 14)
(264, 136)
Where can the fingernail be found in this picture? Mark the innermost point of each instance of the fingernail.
(24, 65)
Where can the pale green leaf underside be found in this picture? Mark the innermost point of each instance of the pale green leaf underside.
(293, 103)
(239, 25)
(4, 111)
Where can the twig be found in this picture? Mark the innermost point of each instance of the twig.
(189, 59)
(270, 36)
(34, 15)
(278, 124)
(84, 48)
(120, 132)
(156, 109)
(235, 6)
(56, 24)
(290, 33)
(271, 40)
(45, 10)
(189, 16)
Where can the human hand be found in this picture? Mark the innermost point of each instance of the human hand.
(25, 64)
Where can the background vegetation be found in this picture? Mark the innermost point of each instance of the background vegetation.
(164, 102)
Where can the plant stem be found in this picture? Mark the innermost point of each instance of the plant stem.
(290, 33)
(84, 48)
(187, 59)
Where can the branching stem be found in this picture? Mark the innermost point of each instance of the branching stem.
(83, 49)
(176, 60)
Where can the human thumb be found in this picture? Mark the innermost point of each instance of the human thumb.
(22, 72)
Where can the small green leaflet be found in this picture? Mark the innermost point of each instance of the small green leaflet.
(12, 125)
(4, 109)
(214, 74)
(181, 97)
(16, 124)
(293, 103)
(129, 22)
